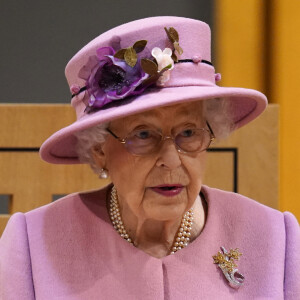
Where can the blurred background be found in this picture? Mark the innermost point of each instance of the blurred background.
(256, 45)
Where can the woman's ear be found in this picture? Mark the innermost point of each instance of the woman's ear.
(98, 155)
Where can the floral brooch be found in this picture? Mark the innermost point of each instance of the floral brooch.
(225, 261)
(115, 75)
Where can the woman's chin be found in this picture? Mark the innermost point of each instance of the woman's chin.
(164, 213)
(163, 208)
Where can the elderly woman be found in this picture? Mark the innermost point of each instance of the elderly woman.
(147, 109)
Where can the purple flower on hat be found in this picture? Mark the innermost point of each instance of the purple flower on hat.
(114, 75)
(113, 79)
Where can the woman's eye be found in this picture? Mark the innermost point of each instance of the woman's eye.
(143, 134)
(187, 133)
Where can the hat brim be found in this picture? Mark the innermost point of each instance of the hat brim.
(246, 105)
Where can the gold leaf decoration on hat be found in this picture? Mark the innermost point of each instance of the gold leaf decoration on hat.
(120, 54)
(130, 57)
(139, 46)
(130, 54)
(173, 34)
(178, 48)
(174, 57)
(149, 66)
(174, 39)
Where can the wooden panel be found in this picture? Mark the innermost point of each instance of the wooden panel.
(285, 90)
(29, 125)
(32, 182)
(257, 162)
(29, 180)
(220, 169)
(257, 46)
(3, 222)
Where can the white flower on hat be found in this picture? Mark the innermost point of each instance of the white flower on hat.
(163, 59)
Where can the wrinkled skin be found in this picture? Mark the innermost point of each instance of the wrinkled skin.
(152, 220)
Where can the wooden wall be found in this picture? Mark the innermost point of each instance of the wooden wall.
(236, 164)
(258, 46)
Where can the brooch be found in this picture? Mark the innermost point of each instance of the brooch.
(225, 261)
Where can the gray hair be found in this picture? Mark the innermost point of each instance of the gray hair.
(86, 140)
(216, 111)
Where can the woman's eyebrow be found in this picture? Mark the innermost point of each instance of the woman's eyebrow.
(147, 117)
(150, 116)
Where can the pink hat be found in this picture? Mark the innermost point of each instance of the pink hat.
(139, 66)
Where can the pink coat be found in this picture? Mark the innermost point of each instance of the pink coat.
(69, 250)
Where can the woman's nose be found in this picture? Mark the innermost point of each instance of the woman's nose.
(168, 156)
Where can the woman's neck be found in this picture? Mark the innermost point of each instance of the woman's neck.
(155, 237)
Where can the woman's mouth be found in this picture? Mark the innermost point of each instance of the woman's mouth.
(168, 190)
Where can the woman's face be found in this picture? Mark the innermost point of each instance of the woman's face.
(139, 179)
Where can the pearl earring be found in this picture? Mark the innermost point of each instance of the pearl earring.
(103, 173)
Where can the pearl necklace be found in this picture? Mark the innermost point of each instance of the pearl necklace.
(183, 234)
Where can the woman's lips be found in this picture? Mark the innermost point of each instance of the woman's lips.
(168, 190)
